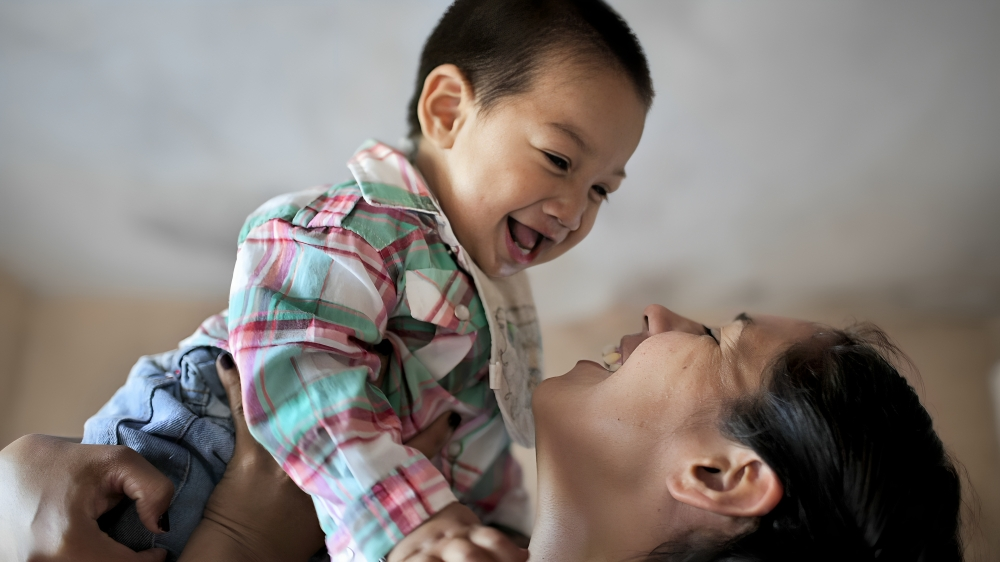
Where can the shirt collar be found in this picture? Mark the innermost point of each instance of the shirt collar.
(387, 178)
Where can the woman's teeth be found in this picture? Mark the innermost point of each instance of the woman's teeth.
(612, 358)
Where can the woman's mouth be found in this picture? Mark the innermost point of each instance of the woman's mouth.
(523, 242)
(611, 356)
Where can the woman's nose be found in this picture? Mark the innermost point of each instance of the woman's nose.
(658, 319)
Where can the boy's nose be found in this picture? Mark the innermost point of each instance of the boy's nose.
(568, 209)
(658, 319)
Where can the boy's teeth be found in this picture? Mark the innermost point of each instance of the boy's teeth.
(525, 238)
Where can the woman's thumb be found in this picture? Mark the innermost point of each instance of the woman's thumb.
(229, 375)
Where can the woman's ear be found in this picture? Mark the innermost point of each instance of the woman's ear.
(732, 480)
(444, 105)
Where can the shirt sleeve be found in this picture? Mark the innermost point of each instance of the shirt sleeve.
(305, 307)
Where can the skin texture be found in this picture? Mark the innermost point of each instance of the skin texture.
(517, 161)
(649, 434)
(53, 490)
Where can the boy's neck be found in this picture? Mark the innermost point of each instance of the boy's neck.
(428, 159)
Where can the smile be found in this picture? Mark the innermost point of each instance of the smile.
(523, 242)
(612, 357)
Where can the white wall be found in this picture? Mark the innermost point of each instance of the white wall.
(72, 353)
(14, 304)
(796, 152)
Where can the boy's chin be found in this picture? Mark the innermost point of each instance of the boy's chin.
(497, 266)
(505, 269)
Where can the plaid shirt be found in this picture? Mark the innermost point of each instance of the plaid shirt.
(355, 325)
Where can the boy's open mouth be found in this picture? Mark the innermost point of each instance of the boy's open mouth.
(524, 242)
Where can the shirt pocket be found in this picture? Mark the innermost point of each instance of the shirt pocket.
(446, 298)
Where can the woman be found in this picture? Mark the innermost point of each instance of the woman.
(765, 439)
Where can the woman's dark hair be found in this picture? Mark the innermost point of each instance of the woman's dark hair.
(499, 45)
(865, 475)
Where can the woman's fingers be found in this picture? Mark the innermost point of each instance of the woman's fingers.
(229, 375)
(256, 508)
(52, 491)
(130, 474)
(431, 440)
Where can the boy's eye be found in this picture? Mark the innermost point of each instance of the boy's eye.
(558, 162)
(601, 192)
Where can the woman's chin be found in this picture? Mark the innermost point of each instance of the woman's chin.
(584, 375)
(556, 392)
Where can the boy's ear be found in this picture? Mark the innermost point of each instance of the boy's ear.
(732, 480)
(444, 105)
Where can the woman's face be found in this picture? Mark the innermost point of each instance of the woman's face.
(675, 368)
(606, 436)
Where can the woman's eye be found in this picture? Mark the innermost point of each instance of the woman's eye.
(558, 162)
(601, 192)
(709, 333)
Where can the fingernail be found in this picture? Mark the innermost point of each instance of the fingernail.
(226, 360)
(454, 420)
(164, 522)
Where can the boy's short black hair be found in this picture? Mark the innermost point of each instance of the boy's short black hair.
(499, 45)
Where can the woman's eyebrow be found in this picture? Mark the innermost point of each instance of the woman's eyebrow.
(745, 319)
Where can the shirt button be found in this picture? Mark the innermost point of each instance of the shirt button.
(462, 312)
(455, 449)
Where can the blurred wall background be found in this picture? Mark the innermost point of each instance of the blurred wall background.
(832, 160)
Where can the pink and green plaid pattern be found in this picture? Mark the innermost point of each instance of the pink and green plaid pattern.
(323, 277)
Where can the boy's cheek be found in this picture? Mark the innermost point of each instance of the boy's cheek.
(558, 250)
(574, 237)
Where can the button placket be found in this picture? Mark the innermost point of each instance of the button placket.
(454, 449)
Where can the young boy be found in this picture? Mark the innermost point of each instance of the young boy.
(360, 313)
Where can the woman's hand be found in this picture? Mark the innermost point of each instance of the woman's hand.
(256, 512)
(52, 491)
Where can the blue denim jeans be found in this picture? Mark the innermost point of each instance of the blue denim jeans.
(173, 410)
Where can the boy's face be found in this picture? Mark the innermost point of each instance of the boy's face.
(522, 183)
